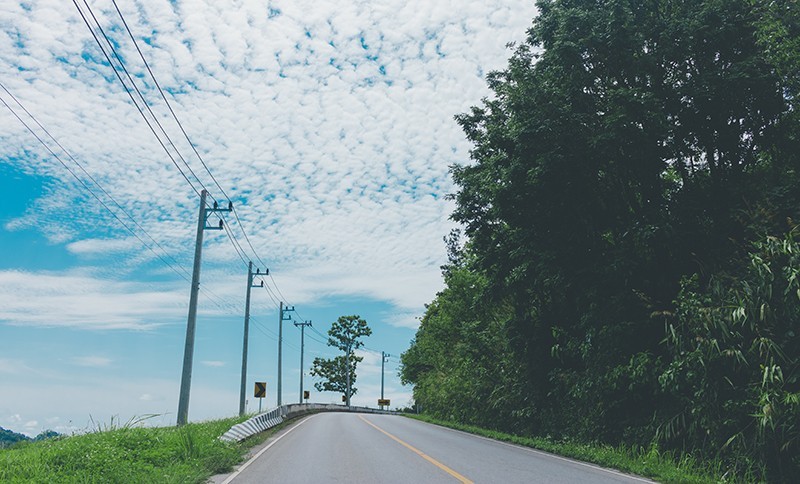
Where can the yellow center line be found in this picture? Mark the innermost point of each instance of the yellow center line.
(425, 456)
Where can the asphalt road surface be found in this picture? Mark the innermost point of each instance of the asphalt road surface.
(355, 448)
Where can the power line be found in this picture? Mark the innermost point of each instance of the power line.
(277, 288)
(227, 307)
(271, 296)
(130, 94)
(213, 298)
(317, 331)
(371, 350)
(318, 340)
(231, 236)
(261, 330)
(184, 275)
(164, 97)
(241, 252)
(271, 334)
(141, 96)
(185, 134)
(235, 244)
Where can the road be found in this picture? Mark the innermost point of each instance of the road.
(348, 447)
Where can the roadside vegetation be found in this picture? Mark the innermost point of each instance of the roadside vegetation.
(127, 454)
(628, 267)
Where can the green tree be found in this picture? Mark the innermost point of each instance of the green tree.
(734, 371)
(339, 373)
(333, 374)
(621, 150)
(629, 145)
(459, 362)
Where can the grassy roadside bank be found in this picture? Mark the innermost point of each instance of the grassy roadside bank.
(189, 454)
(650, 463)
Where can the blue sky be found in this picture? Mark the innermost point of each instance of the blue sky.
(328, 124)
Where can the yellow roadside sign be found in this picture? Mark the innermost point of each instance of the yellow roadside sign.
(384, 402)
(261, 389)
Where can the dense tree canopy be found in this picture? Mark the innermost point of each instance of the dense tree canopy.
(627, 270)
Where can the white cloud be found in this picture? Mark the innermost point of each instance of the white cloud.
(103, 246)
(92, 361)
(11, 366)
(329, 124)
(213, 364)
(405, 319)
(84, 301)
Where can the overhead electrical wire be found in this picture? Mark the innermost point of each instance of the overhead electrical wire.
(176, 267)
(271, 297)
(164, 97)
(261, 330)
(130, 94)
(235, 244)
(185, 134)
(317, 331)
(113, 50)
(317, 340)
(185, 274)
(240, 250)
(94, 181)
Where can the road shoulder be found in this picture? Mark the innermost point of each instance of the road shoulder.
(274, 434)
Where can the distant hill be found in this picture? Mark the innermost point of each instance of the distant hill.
(8, 437)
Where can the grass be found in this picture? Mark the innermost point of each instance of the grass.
(647, 462)
(128, 454)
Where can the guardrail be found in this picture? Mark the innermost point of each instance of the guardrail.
(277, 415)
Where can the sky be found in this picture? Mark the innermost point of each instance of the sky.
(328, 124)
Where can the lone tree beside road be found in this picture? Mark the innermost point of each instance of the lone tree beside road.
(339, 373)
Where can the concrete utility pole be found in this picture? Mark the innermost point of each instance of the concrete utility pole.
(384, 358)
(188, 351)
(302, 344)
(283, 318)
(250, 285)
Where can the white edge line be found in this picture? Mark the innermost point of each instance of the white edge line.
(544, 453)
(252, 459)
